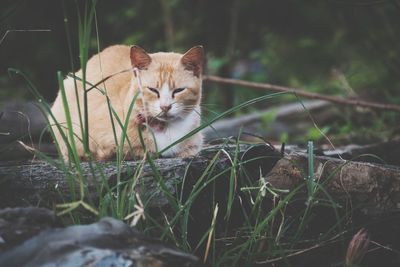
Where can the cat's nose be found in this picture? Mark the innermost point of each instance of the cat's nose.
(165, 108)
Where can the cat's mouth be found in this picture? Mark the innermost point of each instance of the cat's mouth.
(159, 121)
(157, 125)
(165, 117)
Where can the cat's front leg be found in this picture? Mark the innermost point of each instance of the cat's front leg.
(188, 152)
(191, 147)
(138, 146)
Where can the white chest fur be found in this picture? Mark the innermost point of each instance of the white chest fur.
(174, 132)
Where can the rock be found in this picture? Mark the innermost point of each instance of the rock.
(19, 224)
(21, 120)
(108, 242)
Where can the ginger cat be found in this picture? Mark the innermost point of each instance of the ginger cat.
(172, 88)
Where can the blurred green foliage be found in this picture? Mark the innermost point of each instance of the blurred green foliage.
(345, 48)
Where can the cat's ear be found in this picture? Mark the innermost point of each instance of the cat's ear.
(193, 60)
(139, 57)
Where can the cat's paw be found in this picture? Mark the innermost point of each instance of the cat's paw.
(189, 151)
(140, 119)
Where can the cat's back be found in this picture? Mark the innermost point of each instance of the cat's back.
(108, 65)
(111, 60)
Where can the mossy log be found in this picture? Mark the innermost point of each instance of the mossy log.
(34, 182)
(374, 187)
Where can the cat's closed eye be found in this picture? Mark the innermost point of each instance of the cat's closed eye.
(154, 90)
(177, 90)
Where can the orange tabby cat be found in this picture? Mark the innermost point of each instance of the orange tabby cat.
(169, 105)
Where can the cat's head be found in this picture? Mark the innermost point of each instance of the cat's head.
(171, 82)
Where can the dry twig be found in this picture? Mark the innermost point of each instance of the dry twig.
(301, 92)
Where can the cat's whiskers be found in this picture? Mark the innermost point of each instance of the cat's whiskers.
(186, 109)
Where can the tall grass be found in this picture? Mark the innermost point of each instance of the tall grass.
(264, 231)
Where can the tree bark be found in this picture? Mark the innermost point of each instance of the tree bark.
(374, 187)
(24, 183)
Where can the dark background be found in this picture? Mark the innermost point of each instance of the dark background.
(344, 48)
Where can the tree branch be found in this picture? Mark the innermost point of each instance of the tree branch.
(301, 92)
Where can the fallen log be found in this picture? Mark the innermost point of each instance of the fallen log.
(30, 183)
(383, 152)
(373, 187)
(253, 123)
